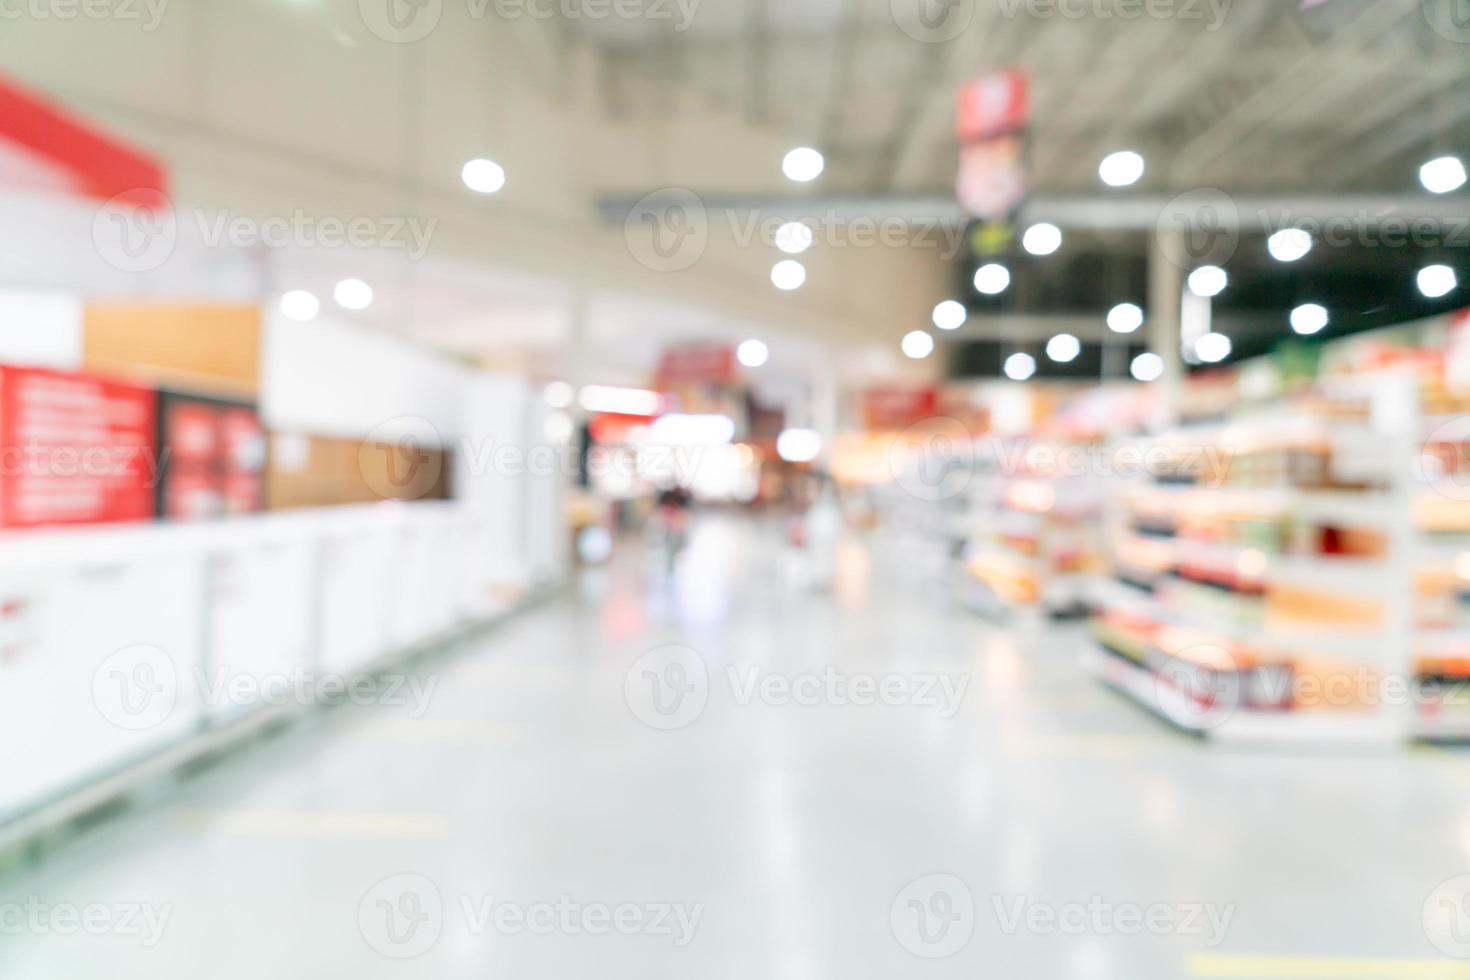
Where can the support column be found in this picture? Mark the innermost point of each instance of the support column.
(1167, 258)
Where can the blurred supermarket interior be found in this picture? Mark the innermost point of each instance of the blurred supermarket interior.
(727, 489)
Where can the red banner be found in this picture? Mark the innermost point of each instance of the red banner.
(75, 449)
(993, 105)
(46, 147)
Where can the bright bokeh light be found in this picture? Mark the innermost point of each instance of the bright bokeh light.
(1121, 169)
(917, 345)
(1063, 348)
(1309, 318)
(950, 315)
(1289, 244)
(300, 305)
(1148, 366)
(803, 164)
(793, 238)
(692, 430)
(620, 401)
(1208, 280)
(483, 176)
(1125, 318)
(1020, 366)
(753, 353)
(1042, 239)
(353, 294)
(1213, 348)
(788, 274)
(559, 394)
(1437, 280)
(798, 445)
(992, 279)
(1443, 175)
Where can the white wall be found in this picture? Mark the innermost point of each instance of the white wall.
(335, 379)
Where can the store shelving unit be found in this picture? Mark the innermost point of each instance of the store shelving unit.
(1027, 541)
(1268, 554)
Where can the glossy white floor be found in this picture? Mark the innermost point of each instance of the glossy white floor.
(554, 814)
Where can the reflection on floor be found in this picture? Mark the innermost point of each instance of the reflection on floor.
(719, 774)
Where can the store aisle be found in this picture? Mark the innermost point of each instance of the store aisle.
(533, 822)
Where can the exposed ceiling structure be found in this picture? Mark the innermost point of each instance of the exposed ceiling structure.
(1247, 95)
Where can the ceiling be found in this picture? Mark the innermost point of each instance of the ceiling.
(1248, 95)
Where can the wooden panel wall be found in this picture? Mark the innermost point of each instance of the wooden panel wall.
(209, 349)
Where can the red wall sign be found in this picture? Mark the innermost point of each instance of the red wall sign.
(75, 449)
(898, 408)
(697, 364)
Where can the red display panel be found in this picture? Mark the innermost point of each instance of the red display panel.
(75, 449)
(215, 453)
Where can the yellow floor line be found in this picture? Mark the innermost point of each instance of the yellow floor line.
(1220, 966)
(319, 824)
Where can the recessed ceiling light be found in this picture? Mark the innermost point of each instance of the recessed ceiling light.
(1437, 280)
(1125, 318)
(1148, 366)
(353, 294)
(1020, 367)
(753, 353)
(1121, 169)
(1213, 348)
(1309, 318)
(1063, 348)
(1443, 175)
(793, 238)
(950, 315)
(483, 176)
(917, 345)
(992, 279)
(788, 274)
(803, 164)
(300, 305)
(1208, 280)
(1289, 244)
(1042, 239)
